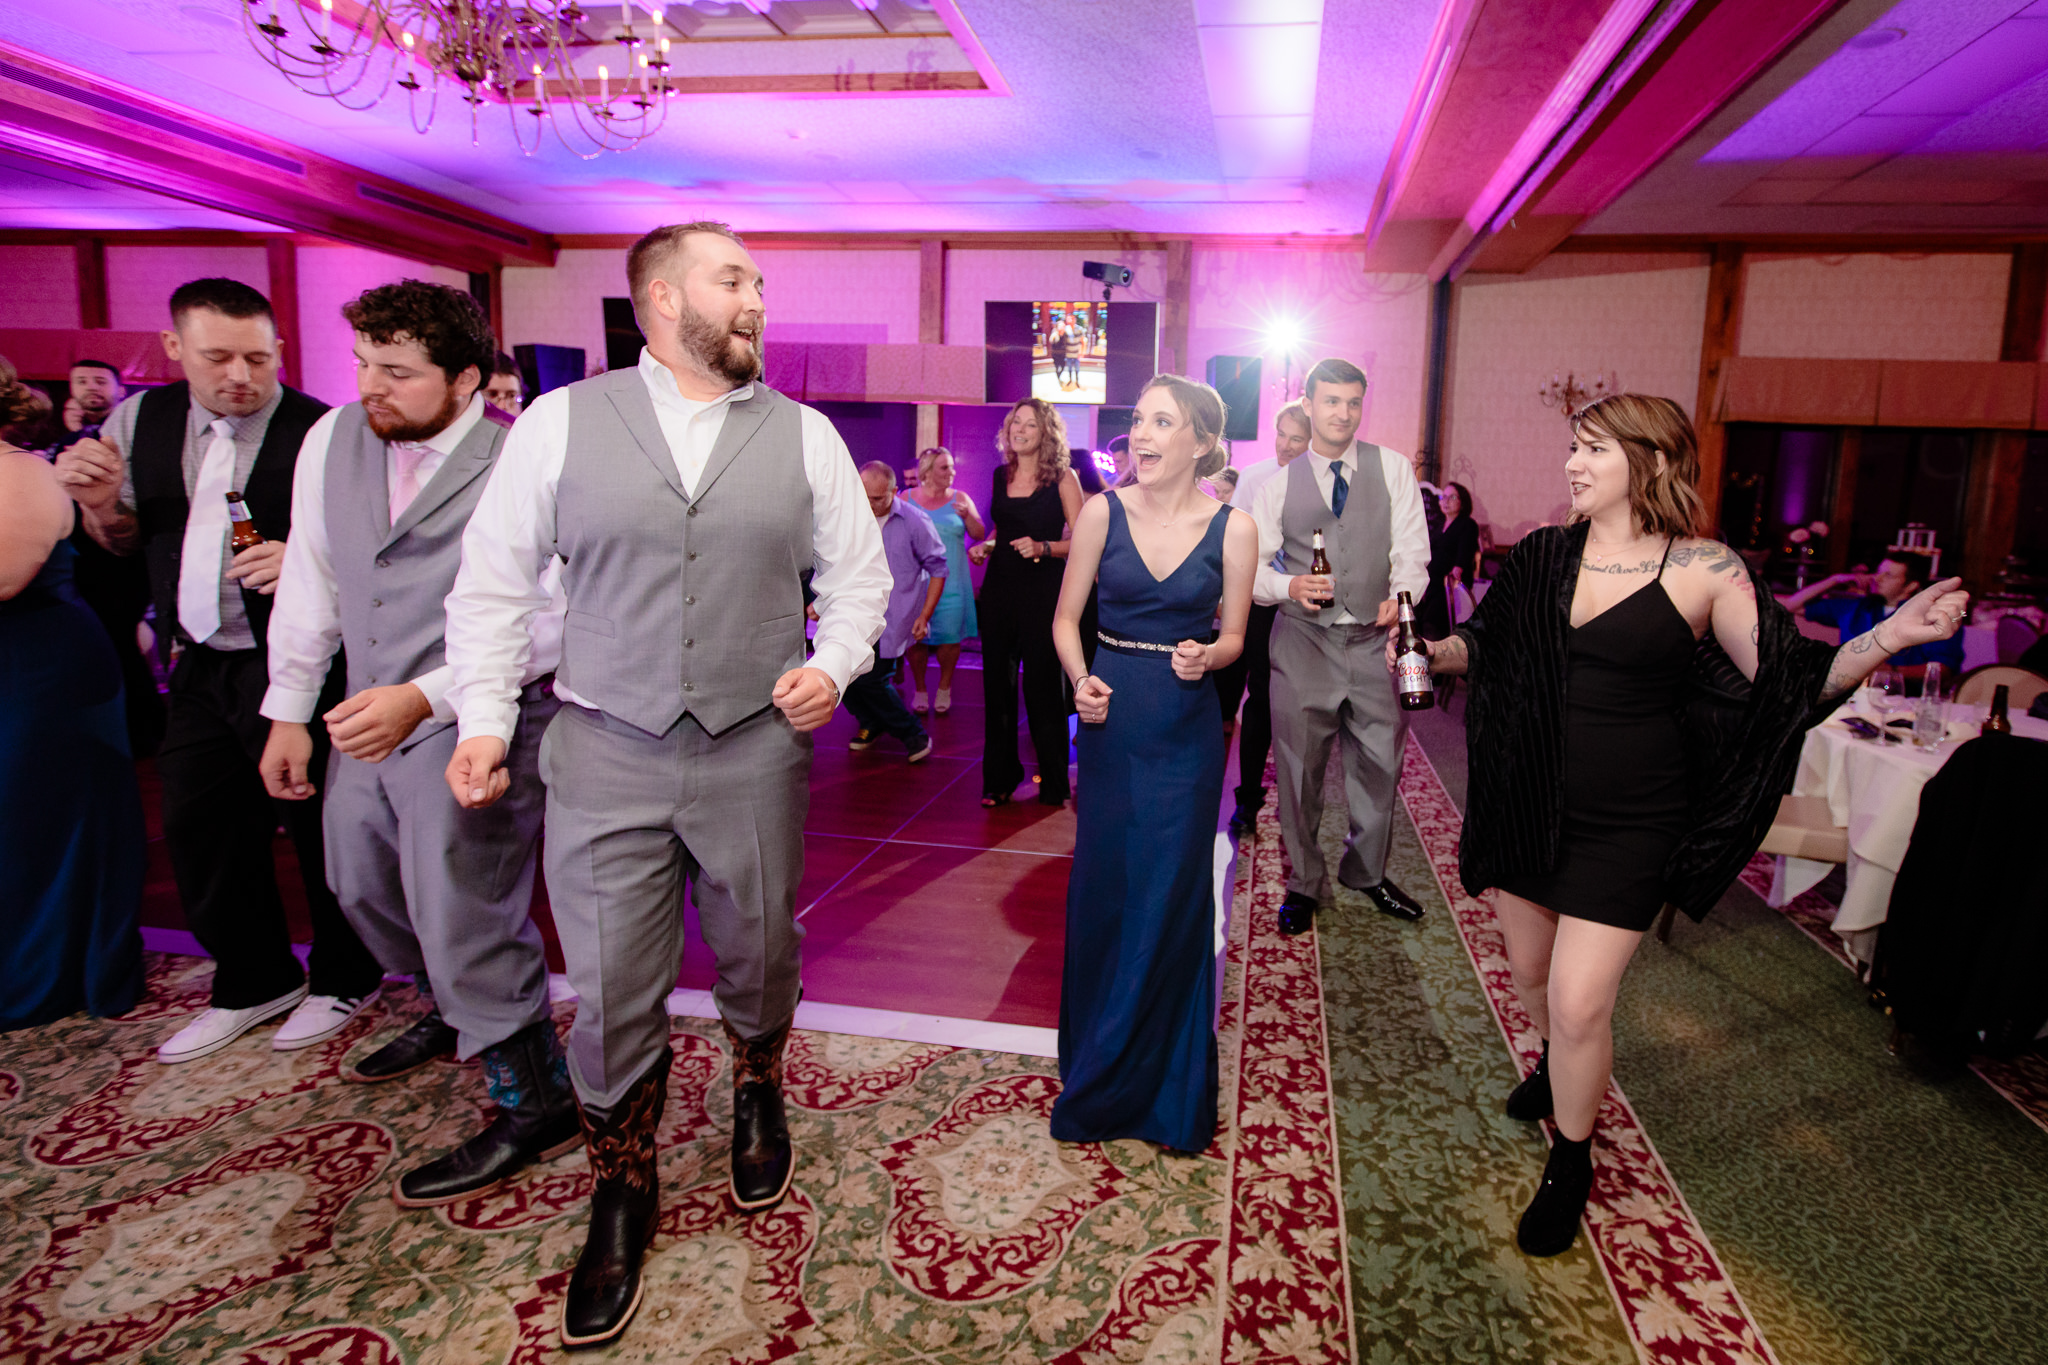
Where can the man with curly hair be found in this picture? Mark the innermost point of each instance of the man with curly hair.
(385, 490)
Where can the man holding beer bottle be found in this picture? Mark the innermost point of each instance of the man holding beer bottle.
(155, 482)
(1356, 505)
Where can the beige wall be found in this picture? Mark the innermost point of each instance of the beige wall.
(1639, 317)
(40, 284)
(329, 276)
(140, 279)
(1873, 307)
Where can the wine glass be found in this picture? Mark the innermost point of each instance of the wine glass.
(1887, 689)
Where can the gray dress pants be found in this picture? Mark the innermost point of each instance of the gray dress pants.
(433, 888)
(634, 821)
(1331, 682)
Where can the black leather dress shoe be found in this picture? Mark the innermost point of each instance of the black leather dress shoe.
(625, 1204)
(1390, 899)
(429, 1040)
(1297, 913)
(763, 1162)
(528, 1079)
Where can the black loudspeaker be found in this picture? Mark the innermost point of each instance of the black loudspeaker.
(622, 338)
(1236, 377)
(548, 367)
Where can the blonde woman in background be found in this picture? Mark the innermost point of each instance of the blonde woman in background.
(957, 521)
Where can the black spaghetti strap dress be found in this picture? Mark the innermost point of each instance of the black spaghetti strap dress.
(1625, 800)
(1015, 609)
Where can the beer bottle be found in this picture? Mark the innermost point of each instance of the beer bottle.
(244, 533)
(1996, 723)
(1411, 661)
(1319, 563)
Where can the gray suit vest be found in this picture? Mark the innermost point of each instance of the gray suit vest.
(393, 581)
(1360, 543)
(681, 605)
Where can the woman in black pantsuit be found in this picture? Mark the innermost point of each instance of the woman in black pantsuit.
(1035, 499)
(1641, 705)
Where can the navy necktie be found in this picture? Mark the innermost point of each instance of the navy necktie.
(1339, 490)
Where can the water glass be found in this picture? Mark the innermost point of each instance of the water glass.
(1887, 690)
(1930, 721)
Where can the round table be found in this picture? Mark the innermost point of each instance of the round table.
(1873, 791)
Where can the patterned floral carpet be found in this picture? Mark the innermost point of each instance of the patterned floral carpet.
(236, 1209)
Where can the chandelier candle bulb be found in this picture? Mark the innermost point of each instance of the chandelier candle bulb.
(326, 19)
(604, 84)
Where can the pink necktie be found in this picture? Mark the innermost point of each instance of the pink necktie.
(405, 461)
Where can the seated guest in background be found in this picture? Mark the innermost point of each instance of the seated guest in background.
(71, 845)
(385, 487)
(1453, 558)
(917, 566)
(1900, 575)
(1590, 816)
(154, 482)
(505, 388)
(957, 521)
(1249, 677)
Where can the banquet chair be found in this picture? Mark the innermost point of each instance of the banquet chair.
(2015, 637)
(1804, 828)
(1976, 686)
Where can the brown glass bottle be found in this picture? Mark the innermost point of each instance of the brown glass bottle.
(244, 534)
(1411, 660)
(1997, 723)
(1319, 563)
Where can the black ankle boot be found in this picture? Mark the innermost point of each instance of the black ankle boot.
(428, 1040)
(763, 1163)
(625, 1202)
(1551, 1222)
(528, 1079)
(1530, 1101)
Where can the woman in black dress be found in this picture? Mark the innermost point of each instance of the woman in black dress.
(1035, 499)
(1641, 705)
(1454, 550)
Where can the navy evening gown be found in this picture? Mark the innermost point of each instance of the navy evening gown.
(1137, 1004)
(71, 837)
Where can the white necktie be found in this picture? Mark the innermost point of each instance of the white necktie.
(206, 533)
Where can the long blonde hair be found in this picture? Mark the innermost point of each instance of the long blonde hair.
(1053, 462)
(1665, 502)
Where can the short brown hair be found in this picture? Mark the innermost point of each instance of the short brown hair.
(1666, 502)
(1296, 412)
(648, 255)
(1053, 462)
(1919, 567)
(448, 323)
(1206, 413)
(1331, 371)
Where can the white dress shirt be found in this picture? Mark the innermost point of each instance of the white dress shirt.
(305, 623)
(1409, 568)
(1250, 479)
(513, 532)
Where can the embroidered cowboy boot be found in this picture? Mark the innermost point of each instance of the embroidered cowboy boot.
(625, 1202)
(762, 1160)
(528, 1079)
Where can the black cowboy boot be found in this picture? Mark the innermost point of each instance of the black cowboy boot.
(1530, 1101)
(428, 1040)
(625, 1202)
(762, 1160)
(528, 1079)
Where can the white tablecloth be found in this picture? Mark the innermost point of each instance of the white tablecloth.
(1873, 791)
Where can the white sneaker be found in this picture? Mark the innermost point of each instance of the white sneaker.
(214, 1029)
(318, 1018)
(922, 754)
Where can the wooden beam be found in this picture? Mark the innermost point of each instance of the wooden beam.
(1842, 514)
(498, 306)
(1825, 243)
(92, 281)
(282, 255)
(1718, 341)
(1991, 506)
(992, 241)
(71, 118)
(931, 324)
(2026, 302)
(1175, 308)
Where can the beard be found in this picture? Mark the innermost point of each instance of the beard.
(710, 344)
(395, 428)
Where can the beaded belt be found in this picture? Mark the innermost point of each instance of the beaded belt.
(1141, 647)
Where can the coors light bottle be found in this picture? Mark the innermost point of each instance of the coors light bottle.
(1411, 661)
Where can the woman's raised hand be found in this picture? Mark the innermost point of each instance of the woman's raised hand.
(1934, 613)
(1190, 660)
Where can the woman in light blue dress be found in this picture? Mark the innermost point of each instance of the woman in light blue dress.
(958, 521)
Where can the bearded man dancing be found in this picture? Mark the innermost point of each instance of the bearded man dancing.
(688, 501)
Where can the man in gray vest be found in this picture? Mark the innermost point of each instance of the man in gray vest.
(385, 487)
(1330, 679)
(688, 502)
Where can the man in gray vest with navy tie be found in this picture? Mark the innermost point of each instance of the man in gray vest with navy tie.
(385, 488)
(689, 502)
(1330, 680)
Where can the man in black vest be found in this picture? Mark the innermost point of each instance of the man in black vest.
(155, 481)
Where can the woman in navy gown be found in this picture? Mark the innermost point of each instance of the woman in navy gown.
(1137, 1005)
(71, 841)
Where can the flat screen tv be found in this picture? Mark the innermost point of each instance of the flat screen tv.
(1070, 351)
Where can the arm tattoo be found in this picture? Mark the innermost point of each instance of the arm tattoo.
(1851, 665)
(1712, 556)
(1449, 655)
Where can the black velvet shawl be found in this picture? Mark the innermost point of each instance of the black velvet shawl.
(1742, 738)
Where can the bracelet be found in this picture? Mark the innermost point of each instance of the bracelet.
(1083, 678)
(1045, 549)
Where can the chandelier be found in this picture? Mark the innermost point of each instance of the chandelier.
(1574, 395)
(602, 91)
